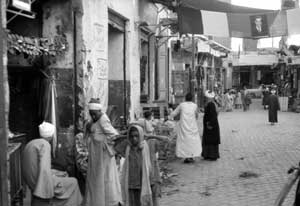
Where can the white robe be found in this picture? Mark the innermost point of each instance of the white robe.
(103, 186)
(36, 170)
(188, 143)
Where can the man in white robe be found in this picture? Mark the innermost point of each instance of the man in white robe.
(46, 187)
(103, 186)
(188, 143)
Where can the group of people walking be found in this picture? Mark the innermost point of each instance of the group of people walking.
(235, 99)
(190, 143)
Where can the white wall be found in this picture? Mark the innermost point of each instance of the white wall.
(115, 55)
(95, 40)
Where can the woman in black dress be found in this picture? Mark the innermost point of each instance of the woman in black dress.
(211, 130)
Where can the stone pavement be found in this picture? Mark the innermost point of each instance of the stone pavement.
(248, 144)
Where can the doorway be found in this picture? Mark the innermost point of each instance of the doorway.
(245, 78)
(118, 78)
(267, 78)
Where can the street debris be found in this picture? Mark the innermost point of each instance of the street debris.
(248, 175)
(167, 153)
(171, 192)
(167, 175)
(206, 193)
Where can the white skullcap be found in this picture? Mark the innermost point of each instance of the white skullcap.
(209, 94)
(46, 130)
(95, 104)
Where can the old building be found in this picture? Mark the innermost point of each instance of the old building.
(211, 67)
(60, 54)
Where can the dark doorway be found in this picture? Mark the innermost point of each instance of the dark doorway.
(245, 78)
(267, 78)
(25, 87)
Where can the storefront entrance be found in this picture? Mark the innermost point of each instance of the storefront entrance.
(267, 77)
(244, 78)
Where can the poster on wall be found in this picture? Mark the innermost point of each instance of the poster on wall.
(99, 35)
(102, 70)
(258, 75)
(22, 4)
(259, 26)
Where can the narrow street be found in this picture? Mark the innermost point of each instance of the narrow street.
(249, 146)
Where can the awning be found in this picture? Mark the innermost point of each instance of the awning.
(212, 5)
(221, 24)
(222, 19)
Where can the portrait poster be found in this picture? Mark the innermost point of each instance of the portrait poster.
(259, 25)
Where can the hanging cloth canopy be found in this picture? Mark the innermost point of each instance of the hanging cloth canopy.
(223, 19)
(220, 6)
(212, 5)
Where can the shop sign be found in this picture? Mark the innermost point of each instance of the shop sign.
(258, 75)
(22, 4)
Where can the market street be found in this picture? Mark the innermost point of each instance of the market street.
(250, 147)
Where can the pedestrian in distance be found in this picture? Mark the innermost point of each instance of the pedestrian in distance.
(273, 107)
(147, 122)
(228, 101)
(238, 100)
(188, 143)
(246, 99)
(211, 129)
(266, 94)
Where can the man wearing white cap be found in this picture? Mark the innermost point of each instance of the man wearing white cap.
(102, 181)
(274, 106)
(45, 186)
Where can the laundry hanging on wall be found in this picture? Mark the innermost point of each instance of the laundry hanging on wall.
(220, 24)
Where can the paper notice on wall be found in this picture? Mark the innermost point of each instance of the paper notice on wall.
(102, 68)
(99, 37)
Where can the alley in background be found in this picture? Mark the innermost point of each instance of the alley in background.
(255, 157)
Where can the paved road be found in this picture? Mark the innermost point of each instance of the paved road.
(249, 144)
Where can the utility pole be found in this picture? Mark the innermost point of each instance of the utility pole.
(4, 198)
(193, 67)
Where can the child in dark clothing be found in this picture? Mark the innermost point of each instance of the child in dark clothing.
(140, 179)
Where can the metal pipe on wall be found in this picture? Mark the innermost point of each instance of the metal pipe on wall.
(75, 90)
(193, 67)
(124, 77)
(4, 194)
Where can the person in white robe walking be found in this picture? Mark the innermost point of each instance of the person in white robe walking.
(188, 143)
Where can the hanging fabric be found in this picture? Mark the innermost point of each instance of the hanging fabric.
(53, 114)
(254, 26)
(48, 105)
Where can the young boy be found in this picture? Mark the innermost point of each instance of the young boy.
(147, 122)
(140, 173)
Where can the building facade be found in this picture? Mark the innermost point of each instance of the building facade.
(113, 50)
